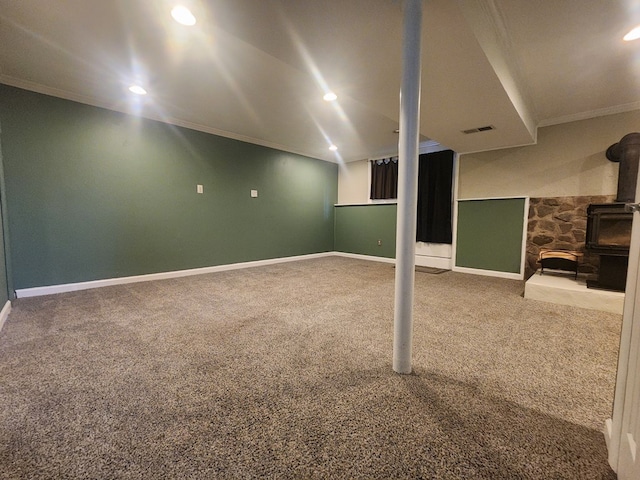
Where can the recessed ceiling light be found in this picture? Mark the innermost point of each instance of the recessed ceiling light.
(333, 148)
(183, 15)
(137, 89)
(632, 35)
(329, 97)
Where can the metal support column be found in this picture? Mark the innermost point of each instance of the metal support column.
(407, 187)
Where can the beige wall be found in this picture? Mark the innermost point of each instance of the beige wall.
(568, 160)
(353, 178)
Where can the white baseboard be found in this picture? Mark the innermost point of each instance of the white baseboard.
(434, 262)
(365, 257)
(608, 430)
(613, 448)
(421, 260)
(72, 287)
(489, 273)
(4, 313)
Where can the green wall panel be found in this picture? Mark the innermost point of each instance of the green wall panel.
(489, 235)
(97, 194)
(359, 227)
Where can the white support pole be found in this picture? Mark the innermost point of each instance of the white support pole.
(407, 187)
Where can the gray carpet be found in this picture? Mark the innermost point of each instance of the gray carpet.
(285, 372)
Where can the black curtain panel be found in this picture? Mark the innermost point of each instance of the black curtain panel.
(435, 180)
(384, 179)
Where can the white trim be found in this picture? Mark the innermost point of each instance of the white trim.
(421, 260)
(504, 147)
(608, 431)
(489, 273)
(525, 228)
(377, 202)
(491, 198)
(454, 220)
(4, 313)
(601, 112)
(368, 192)
(433, 262)
(359, 256)
(72, 287)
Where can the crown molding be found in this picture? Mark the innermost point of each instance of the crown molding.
(601, 112)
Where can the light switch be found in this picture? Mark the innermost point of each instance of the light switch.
(199, 189)
(254, 193)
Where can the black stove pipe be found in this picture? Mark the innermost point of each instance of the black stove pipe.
(627, 153)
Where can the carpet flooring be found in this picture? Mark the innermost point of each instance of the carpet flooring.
(284, 371)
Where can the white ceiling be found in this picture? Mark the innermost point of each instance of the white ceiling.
(256, 70)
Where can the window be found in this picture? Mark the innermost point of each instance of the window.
(435, 187)
(384, 179)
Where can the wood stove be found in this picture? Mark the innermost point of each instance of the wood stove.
(609, 225)
(609, 236)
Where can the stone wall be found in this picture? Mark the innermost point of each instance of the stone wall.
(560, 223)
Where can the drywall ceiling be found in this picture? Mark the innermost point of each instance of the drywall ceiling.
(256, 70)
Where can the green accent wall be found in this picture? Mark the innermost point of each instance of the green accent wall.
(95, 194)
(359, 227)
(489, 235)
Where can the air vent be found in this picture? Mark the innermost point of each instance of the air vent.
(479, 129)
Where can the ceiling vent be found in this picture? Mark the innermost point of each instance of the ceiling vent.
(479, 129)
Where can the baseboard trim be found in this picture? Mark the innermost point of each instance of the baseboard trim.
(489, 273)
(359, 256)
(433, 262)
(608, 429)
(72, 287)
(4, 313)
(613, 447)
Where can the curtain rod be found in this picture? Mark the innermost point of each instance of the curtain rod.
(373, 159)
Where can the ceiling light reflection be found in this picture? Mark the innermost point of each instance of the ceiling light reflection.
(137, 89)
(330, 97)
(632, 35)
(183, 15)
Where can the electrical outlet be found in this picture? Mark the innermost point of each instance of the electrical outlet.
(379, 243)
(254, 193)
(199, 189)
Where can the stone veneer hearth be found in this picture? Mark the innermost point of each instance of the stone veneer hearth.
(560, 223)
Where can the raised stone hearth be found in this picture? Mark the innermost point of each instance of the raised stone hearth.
(564, 290)
(560, 223)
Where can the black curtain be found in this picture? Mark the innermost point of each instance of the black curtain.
(384, 179)
(435, 180)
